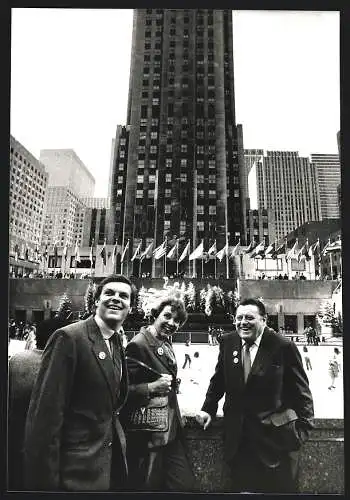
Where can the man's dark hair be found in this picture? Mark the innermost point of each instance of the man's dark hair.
(251, 301)
(113, 278)
(177, 305)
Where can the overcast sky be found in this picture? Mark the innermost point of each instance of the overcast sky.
(70, 79)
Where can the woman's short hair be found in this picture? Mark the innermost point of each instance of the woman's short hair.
(176, 304)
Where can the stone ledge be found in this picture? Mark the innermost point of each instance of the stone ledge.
(321, 468)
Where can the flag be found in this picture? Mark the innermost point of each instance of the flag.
(270, 249)
(26, 253)
(136, 251)
(334, 246)
(293, 252)
(197, 252)
(251, 246)
(16, 252)
(258, 251)
(304, 252)
(124, 251)
(280, 249)
(147, 253)
(103, 253)
(220, 255)
(91, 254)
(212, 250)
(160, 251)
(55, 253)
(114, 252)
(185, 252)
(235, 249)
(65, 251)
(173, 251)
(76, 253)
(314, 248)
(45, 255)
(36, 253)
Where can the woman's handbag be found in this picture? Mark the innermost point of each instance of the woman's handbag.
(153, 416)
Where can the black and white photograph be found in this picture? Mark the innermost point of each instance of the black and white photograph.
(175, 318)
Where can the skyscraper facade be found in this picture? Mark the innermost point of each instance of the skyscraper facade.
(179, 168)
(28, 185)
(328, 173)
(287, 185)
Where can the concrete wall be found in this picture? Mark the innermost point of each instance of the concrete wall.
(321, 468)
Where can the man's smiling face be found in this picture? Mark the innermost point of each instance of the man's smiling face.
(114, 303)
(249, 322)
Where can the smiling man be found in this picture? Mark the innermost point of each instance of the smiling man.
(268, 404)
(74, 440)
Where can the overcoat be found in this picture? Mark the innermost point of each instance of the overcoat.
(274, 406)
(73, 418)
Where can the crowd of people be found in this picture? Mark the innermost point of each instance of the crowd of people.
(89, 414)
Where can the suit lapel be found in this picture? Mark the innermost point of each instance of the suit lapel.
(234, 362)
(159, 352)
(101, 353)
(264, 355)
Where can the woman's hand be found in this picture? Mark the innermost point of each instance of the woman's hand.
(161, 386)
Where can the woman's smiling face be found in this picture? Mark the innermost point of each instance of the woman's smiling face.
(167, 322)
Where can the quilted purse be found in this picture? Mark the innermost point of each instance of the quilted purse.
(152, 417)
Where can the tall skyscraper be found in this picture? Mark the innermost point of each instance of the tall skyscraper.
(28, 186)
(287, 185)
(328, 173)
(69, 182)
(182, 169)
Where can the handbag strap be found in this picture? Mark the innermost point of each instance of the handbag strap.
(129, 358)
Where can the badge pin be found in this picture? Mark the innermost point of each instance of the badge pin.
(235, 353)
(102, 355)
(235, 360)
(160, 351)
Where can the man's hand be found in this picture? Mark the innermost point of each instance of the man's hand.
(203, 418)
(160, 386)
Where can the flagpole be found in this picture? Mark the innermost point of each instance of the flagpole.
(227, 269)
(331, 264)
(215, 266)
(202, 264)
(177, 260)
(140, 266)
(165, 257)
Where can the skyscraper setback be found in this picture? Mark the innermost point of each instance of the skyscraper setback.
(178, 168)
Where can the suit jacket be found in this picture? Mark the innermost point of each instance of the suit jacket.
(146, 348)
(73, 424)
(274, 407)
(23, 369)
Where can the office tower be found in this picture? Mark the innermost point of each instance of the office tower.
(251, 157)
(28, 184)
(261, 226)
(69, 182)
(182, 169)
(328, 173)
(65, 168)
(287, 185)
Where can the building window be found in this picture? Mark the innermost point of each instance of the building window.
(183, 162)
(167, 177)
(167, 193)
(139, 193)
(153, 149)
(183, 177)
(183, 148)
(212, 193)
(212, 179)
(212, 209)
(140, 179)
(167, 209)
(200, 225)
(200, 179)
(151, 193)
(169, 163)
(200, 209)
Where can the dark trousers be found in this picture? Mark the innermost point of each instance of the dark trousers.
(166, 468)
(250, 474)
(187, 358)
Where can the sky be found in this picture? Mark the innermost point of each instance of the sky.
(70, 80)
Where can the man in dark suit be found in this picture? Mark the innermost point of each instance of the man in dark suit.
(74, 440)
(268, 405)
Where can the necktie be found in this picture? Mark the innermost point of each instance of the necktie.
(115, 352)
(247, 364)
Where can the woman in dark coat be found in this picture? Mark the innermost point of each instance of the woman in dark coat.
(157, 458)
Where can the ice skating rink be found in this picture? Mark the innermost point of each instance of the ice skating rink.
(194, 380)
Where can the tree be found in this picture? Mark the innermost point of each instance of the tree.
(190, 295)
(89, 299)
(65, 307)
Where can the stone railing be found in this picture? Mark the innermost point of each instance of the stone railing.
(321, 467)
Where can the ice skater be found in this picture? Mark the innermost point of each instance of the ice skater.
(334, 368)
(307, 358)
(187, 355)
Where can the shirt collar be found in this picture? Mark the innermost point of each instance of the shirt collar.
(105, 330)
(256, 342)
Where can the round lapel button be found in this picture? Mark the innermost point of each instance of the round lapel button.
(160, 351)
(102, 355)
